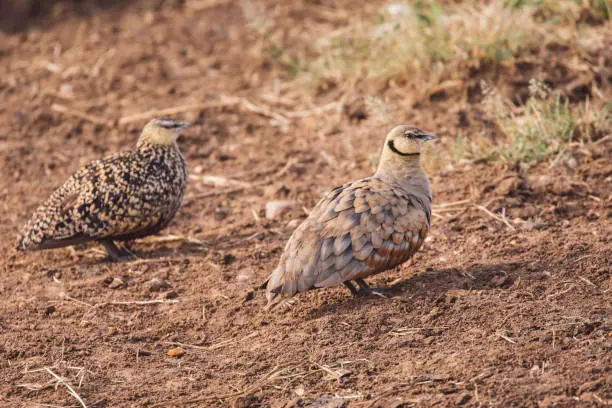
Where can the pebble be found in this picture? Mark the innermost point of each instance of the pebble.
(176, 352)
(116, 283)
(507, 186)
(275, 209)
(172, 295)
(157, 284)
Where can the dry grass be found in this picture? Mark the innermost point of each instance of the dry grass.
(541, 128)
(544, 125)
(425, 41)
(436, 46)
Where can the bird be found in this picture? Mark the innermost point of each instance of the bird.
(124, 196)
(363, 227)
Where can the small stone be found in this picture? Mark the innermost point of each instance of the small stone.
(433, 314)
(541, 184)
(171, 295)
(528, 211)
(275, 209)
(464, 398)
(341, 372)
(275, 191)
(116, 283)
(157, 284)
(176, 352)
(50, 310)
(562, 186)
(66, 91)
(220, 213)
(592, 215)
(507, 186)
(149, 17)
(228, 259)
(571, 162)
(243, 277)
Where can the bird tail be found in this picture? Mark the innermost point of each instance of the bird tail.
(20, 245)
(25, 243)
(274, 288)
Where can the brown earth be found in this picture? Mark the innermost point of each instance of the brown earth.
(491, 313)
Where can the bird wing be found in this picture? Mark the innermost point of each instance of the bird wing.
(40, 231)
(123, 200)
(84, 207)
(356, 230)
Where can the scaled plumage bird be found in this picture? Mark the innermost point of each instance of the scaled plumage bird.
(119, 198)
(363, 227)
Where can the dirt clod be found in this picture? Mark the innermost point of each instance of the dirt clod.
(275, 209)
(157, 284)
(116, 283)
(176, 352)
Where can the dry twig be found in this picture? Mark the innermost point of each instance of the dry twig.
(216, 346)
(495, 216)
(508, 339)
(71, 390)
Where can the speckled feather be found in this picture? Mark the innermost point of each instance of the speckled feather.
(122, 197)
(357, 230)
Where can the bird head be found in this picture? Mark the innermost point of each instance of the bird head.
(406, 141)
(162, 132)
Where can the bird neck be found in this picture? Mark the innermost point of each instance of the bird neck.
(406, 172)
(146, 143)
(398, 165)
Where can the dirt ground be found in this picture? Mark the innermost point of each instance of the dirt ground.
(490, 314)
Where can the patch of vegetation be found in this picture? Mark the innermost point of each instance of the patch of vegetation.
(429, 44)
(425, 39)
(545, 125)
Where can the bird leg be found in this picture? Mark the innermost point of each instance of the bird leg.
(363, 286)
(365, 289)
(350, 287)
(114, 253)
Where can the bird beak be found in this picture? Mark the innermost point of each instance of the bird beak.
(182, 125)
(426, 137)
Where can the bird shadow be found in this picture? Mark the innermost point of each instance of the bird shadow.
(434, 284)
(136, 255)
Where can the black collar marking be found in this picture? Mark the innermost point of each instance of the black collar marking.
(394, 150)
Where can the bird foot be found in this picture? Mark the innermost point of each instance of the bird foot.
(116, 254)
(364, 289)
(379, 294)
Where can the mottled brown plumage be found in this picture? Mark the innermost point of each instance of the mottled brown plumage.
(119, 198)
(363, 227)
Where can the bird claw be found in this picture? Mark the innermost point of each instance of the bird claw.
(116, 254)
(380, 294)
(364, 289)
